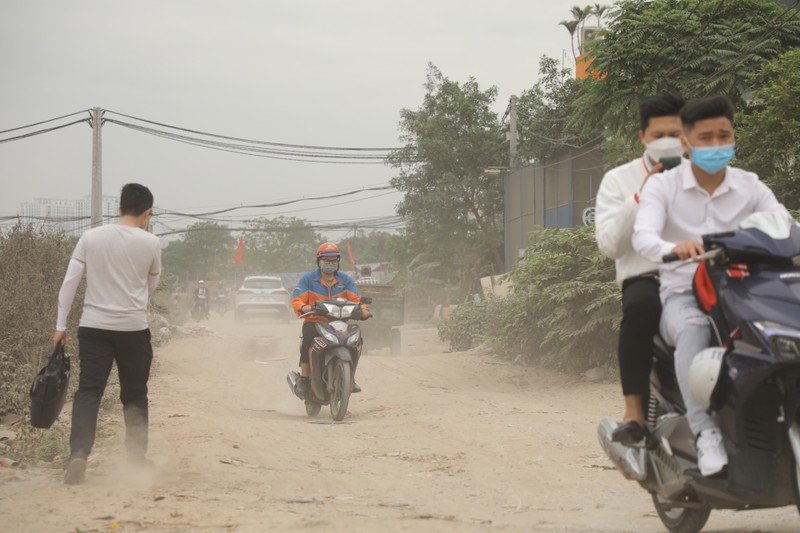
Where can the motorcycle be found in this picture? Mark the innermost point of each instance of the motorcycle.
(221, 303)
(748, 282)
(200, 308)
(333, 357)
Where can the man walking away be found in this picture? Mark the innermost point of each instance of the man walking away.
(122, 263)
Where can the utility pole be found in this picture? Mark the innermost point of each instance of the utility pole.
(512, 133)
(97, 166)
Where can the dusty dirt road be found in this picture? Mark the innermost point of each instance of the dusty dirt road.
(436, 442)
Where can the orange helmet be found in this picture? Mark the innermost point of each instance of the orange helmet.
(328, 249)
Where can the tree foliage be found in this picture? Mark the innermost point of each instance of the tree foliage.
(768, 129)
(282, 244)
(545, 113)
(205, 251)
(694, 47)
(453, 209)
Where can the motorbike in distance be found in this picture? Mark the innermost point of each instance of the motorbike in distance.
(333, 357)
(200, 307)
(748, 282)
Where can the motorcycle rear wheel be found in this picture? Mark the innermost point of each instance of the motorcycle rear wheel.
(681, 519)
(313, 408)
(342, 387)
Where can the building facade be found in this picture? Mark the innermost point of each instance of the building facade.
(555, 193)
(71, 216)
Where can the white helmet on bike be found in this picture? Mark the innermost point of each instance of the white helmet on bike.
(704, 374)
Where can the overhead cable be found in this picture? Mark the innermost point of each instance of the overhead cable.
(44, 121)
(39, 132)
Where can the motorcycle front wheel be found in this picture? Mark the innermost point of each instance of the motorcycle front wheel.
(681, 519)
(342, 387)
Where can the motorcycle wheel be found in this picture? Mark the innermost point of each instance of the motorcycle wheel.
(342, 387)
(680, 519)
(313, 408)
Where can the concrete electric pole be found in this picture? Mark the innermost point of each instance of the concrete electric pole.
(512, 133)
(97, 166)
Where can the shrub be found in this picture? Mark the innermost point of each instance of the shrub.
(563, 311)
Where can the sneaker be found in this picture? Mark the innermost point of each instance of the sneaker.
(356, 387)
(76, 470)
(711, 456)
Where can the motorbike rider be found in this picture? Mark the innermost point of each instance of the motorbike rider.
(676, 208)
(365, 277)
(324, 283)
(616, 206)
(201, 295)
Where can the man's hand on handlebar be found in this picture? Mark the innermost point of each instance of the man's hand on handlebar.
(688, 249)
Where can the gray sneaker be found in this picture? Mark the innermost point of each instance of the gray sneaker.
(76, 470)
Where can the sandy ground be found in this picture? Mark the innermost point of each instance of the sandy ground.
(436, 442)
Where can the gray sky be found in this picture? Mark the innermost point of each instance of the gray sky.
(301, 72)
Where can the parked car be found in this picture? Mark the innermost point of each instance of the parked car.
(263, 293)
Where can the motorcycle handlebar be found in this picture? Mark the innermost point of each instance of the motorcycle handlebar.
(670, 257)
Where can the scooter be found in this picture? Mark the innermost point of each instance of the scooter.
(748, 282)
(333, 357)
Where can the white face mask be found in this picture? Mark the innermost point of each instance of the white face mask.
(664, 147)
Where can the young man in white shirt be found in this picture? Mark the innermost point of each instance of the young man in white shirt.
(617, 204)
(122, 263)
(676, 209)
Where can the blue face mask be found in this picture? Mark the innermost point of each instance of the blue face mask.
(712, 159)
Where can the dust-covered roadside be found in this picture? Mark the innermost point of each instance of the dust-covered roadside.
(436, 442)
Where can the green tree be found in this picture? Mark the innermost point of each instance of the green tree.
(369, 247)
(692, 47)
(282, 244)
(453, 209)
(204, 251)
(769, 127)
(544, 113)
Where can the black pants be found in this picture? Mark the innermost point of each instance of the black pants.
(98, 349)
(641, 312)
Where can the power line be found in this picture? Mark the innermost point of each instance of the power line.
(252, 141)
(44, 121)
(39, 132)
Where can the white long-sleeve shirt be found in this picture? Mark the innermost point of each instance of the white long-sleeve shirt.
(674, 208)
(615, 213)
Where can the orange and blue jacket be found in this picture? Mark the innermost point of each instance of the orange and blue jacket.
(313, 288)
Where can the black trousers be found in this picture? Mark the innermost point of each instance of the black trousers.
(641, 312)
(133, 353)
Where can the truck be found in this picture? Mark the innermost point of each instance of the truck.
(388, 313)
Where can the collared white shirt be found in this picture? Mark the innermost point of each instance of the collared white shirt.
(615, 213)
(674, 208)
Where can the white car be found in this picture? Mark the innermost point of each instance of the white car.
(263, 293)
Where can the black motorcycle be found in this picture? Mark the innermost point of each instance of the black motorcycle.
(333, 357)
(749, 284)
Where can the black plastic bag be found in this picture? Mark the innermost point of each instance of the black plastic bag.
(49, 389)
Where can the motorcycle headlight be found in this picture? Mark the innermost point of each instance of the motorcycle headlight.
(347, 310)
(353, 339)
(784, 341)
(333, 310)
(330, 337)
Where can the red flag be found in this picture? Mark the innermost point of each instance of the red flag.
(238, 257)
(350, 255)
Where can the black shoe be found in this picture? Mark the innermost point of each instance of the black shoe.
(356, 387)
(76, 471)
(629, 433)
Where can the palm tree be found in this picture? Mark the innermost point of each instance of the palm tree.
(571, 26)
(579, 15)
(598, 10)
